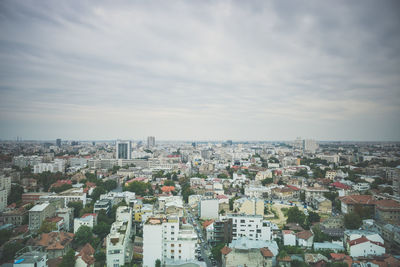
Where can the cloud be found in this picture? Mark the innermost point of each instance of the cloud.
(200, 70)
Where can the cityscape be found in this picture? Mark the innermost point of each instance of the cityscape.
(155, 203)
(191, 133)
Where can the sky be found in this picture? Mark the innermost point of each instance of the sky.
(200, 70)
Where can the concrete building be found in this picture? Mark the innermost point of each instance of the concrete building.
(70, 195)
(208, 209)
(57, 166)
(151, 141)
(30, 257)
(322, 204)
(88, 220)
(249, 206)
(119, 244)
(3, 199)
(363, 247)
(5, 183)
(38, 213)
(310, 145)
(124, 150)
(348, 203)
(102, 204)
(245, 252)
(25, 161)
(289, 238)
(387, 211)
(252, 227)
(165, 240)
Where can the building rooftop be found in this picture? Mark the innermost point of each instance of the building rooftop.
(40, 207)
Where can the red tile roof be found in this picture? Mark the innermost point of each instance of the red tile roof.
(358, 199)
(388, 204)
(304, 234)
(266, 252)
(363, 239)
(225, 250)
(207, 223)
(340, 185)
(293, 187)
(167, 189)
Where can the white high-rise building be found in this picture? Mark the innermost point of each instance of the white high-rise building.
(164, 240)
(151, 141)
(119, 244)
(310, 145)
(124, 150)
(251, 226)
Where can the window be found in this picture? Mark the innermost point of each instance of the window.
(172, 245)
(172, 251)
(180, 245)
(180, 251)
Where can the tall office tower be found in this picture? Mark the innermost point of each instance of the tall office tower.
(310, 145)
(151, 141)
(58, 142)
(124, 150)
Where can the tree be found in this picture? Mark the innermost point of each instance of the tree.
(99, 190)
(100, 256)
(140, 188)
(47, 227)
(267, 181)
(303, 196)
(216, 251)
(302, 172)
(77, 205)
(68, 259)
(158, 263)
(9, 250)
(296, 216)
(61, 188)
(169, 183)
(320, 236)
(222, 176)
(101, 229)
(352, 221)
(110, 185)
(83, 235)
(5, 236)
(313, 217)
(15, 193)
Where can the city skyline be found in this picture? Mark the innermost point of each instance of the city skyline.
(200, 70)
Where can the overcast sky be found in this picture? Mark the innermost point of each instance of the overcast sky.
(200, 70)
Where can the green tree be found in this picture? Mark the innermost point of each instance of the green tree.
(61, 188)
(83, 235)
(140, 188)
(77, 205)
(99, 190)
(352, 220)
(222, 176)
(9, 250)
(313, 217)
(5, 235)
(303, 196)
(110, 185)
(216, 251)
(158, 263)
(267, 181)
(15, 194)
(68, 259)
(47, 227)
(169, 183)
(302, 172)
(100, 257)
(296, 216)
(101, 229)
(320, 236)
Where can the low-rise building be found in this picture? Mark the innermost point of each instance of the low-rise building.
(56, 244)
(305, 238)
(322, 204)
(363, 247)
(387, 211)
(30, 257)
(349, 202)
(289, 238)
(89, 220)
(102, 204)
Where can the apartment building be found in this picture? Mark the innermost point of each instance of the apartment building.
(70, 195)
(119, 243)
(251, 226)
(38, 213)
(168, 241)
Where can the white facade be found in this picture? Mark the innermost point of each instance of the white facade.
(124, 150)
(289, 238)
(209, 209)
(251, 226)
(361, 186)
(57, 166)
(119, 245)
(70, 195)
(5, 183)
(164, 240)
(365, 249)
(88, 221)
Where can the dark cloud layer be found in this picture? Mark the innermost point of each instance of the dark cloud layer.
(200, 69)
